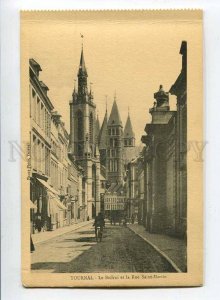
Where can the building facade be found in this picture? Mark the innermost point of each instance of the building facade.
(83, 138)
(179, 89)
(40, 142)
(115, 202)
(165, 193)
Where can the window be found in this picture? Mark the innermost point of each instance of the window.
(42, 116)
(34, 152)
(33, 93)
(80, 150)
(80, 128)
(33, 105)
(42, 159)
(45, 120)
(116, 165)
(38, 154)
(110, 164)
(38, 111)
(91, 128)
(111, 143)
(49, 125)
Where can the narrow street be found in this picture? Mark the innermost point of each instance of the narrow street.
(77, 251)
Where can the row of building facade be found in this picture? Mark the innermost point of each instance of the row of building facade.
(57, 185)
(156, 180)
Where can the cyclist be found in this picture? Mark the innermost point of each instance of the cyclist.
(99, 222)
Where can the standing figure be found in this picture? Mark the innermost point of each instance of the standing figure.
(99, 222)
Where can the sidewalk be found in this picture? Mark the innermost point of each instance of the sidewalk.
(47, 235)
(173, 249)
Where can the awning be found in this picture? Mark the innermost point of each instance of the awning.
(54, 204)
(48, 186)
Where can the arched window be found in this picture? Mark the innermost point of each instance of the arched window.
(110, 165)
(80, 128)
(80, 150)
(111, 143)
(93, 181)
(91, 128)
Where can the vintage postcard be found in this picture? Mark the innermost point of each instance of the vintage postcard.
(112, 136)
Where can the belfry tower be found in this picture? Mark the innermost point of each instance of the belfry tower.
(83, 141)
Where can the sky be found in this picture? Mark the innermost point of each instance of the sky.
(129, 58)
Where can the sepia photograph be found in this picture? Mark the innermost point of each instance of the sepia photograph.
(113, 141)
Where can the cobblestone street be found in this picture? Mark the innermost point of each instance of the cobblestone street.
(77, 251)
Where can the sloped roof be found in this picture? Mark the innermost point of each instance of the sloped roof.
(35, 64)
(128, 131)
(97, 126)
(132, 152)
(114, 118)
(103, 133)
(116, 188)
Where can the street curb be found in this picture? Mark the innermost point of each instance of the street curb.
(158, 250)
(53, 237)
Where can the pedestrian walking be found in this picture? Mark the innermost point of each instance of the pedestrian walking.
(38, 222)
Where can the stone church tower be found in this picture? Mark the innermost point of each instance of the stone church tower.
(83, 138)
(114, 163)
(129, 142)
(129, 136)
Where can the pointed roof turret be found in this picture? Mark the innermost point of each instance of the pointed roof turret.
(87, 150)
(97, 154)
(115, 118)
(128, 131)
(82, 65)
(97, 126)
(103, 132)
(74, 94)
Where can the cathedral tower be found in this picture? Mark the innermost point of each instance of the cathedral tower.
(83, 141)
(103, 140)
(114, 146)
(129, 136)
(129, 141)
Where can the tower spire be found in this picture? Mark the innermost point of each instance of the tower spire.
(106, 103)
(115, 118)
(129, 136)
(82, 76)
